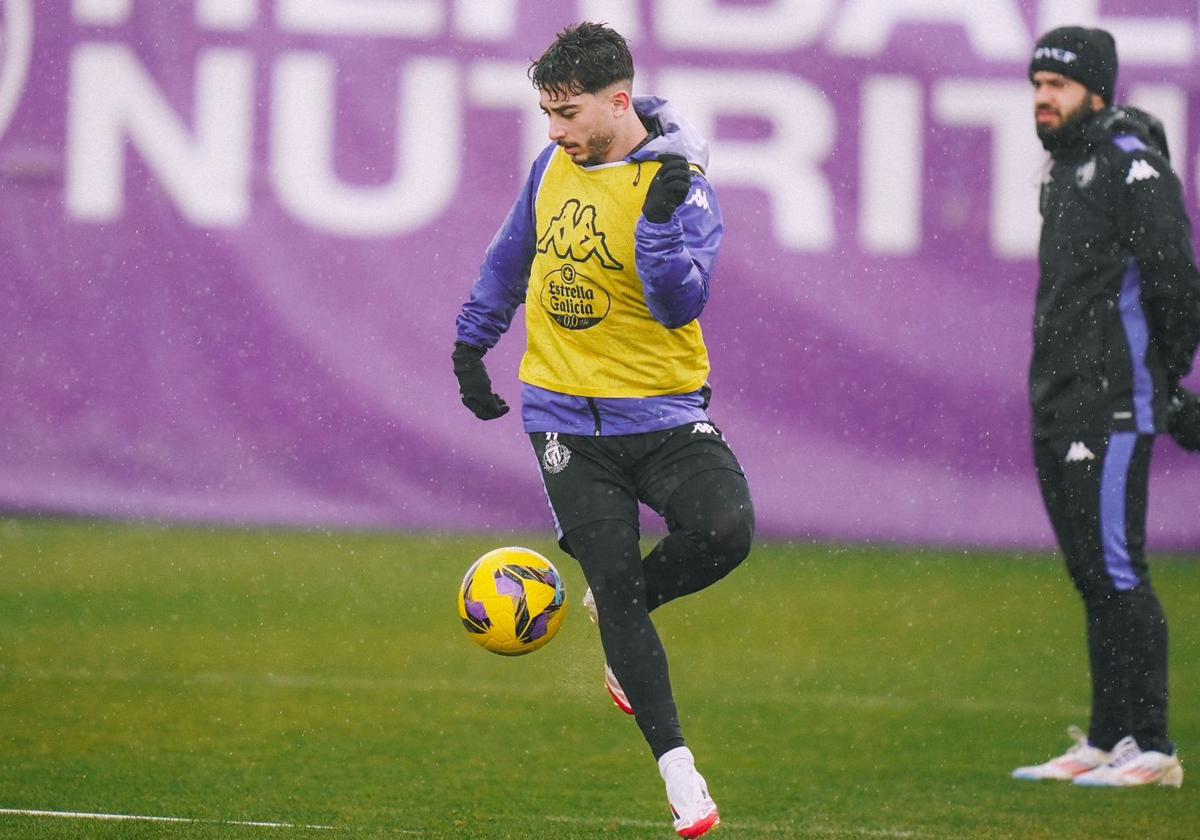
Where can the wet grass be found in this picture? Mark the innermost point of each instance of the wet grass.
(324, 680)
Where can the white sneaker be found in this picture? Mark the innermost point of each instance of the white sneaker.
(692, 809)
(1131, 767)
(1079, 759)
(610, 679)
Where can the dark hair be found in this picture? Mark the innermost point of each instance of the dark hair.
(584, 58)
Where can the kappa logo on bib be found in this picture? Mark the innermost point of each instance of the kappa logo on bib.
(573, 235)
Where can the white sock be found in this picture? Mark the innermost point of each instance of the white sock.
(685, 787)
(671, 756)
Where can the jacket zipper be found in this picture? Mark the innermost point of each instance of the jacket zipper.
(595, 414)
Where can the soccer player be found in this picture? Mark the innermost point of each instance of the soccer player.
(610, 245)
(1116, 326)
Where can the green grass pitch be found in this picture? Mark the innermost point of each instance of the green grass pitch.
(324, 679)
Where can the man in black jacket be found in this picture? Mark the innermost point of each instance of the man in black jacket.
(1116, 327)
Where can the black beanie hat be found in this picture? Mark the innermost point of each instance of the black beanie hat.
(1089, 56)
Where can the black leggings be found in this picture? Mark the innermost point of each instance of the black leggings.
(711, 526)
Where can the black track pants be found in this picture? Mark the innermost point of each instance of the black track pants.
(1095, 491)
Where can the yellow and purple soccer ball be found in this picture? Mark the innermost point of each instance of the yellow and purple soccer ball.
(512, 601)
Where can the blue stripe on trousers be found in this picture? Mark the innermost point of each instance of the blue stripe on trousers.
(1114, 481)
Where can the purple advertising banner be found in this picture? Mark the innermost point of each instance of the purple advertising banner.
(234, 236)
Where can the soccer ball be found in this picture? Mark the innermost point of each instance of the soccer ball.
(512, 601)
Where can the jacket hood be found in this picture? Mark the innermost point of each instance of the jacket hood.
(1128, 120)
(677, 135)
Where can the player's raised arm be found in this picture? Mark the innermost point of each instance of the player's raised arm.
(677, 240)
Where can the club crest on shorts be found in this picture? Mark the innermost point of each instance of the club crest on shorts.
(557, 455)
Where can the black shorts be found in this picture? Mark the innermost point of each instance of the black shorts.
(590, 479)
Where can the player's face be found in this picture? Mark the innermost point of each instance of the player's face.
(1058, 102)
(583, 124)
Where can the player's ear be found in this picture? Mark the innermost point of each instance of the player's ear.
(620, 101)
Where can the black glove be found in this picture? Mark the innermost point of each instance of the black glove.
(1183, 419)
(668, 189)
(474, 386)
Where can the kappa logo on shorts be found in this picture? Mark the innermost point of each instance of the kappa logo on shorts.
(704, 429)
(557, 455)
(1079, 452)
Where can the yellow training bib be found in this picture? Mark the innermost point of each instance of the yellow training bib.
(589, 331)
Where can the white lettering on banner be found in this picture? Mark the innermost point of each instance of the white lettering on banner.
(377, 18)
(1160, 40)
(114, 100)
(1169, 103)
(198, 145)
(995, 28)
(497, 20)
(787, 165)
(502, 85)
(482, 20)
(210, 14)
(1003, 107)
(775, 27)
(890, 165)
(16, 52)
(101, 12)
(477, 20)
(486, 20)
(428, 128)
(622, 15)
(226, 14)
(492, 21)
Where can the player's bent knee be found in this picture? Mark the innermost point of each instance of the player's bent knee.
(730, 534)
(733, 526)
(716, 514)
